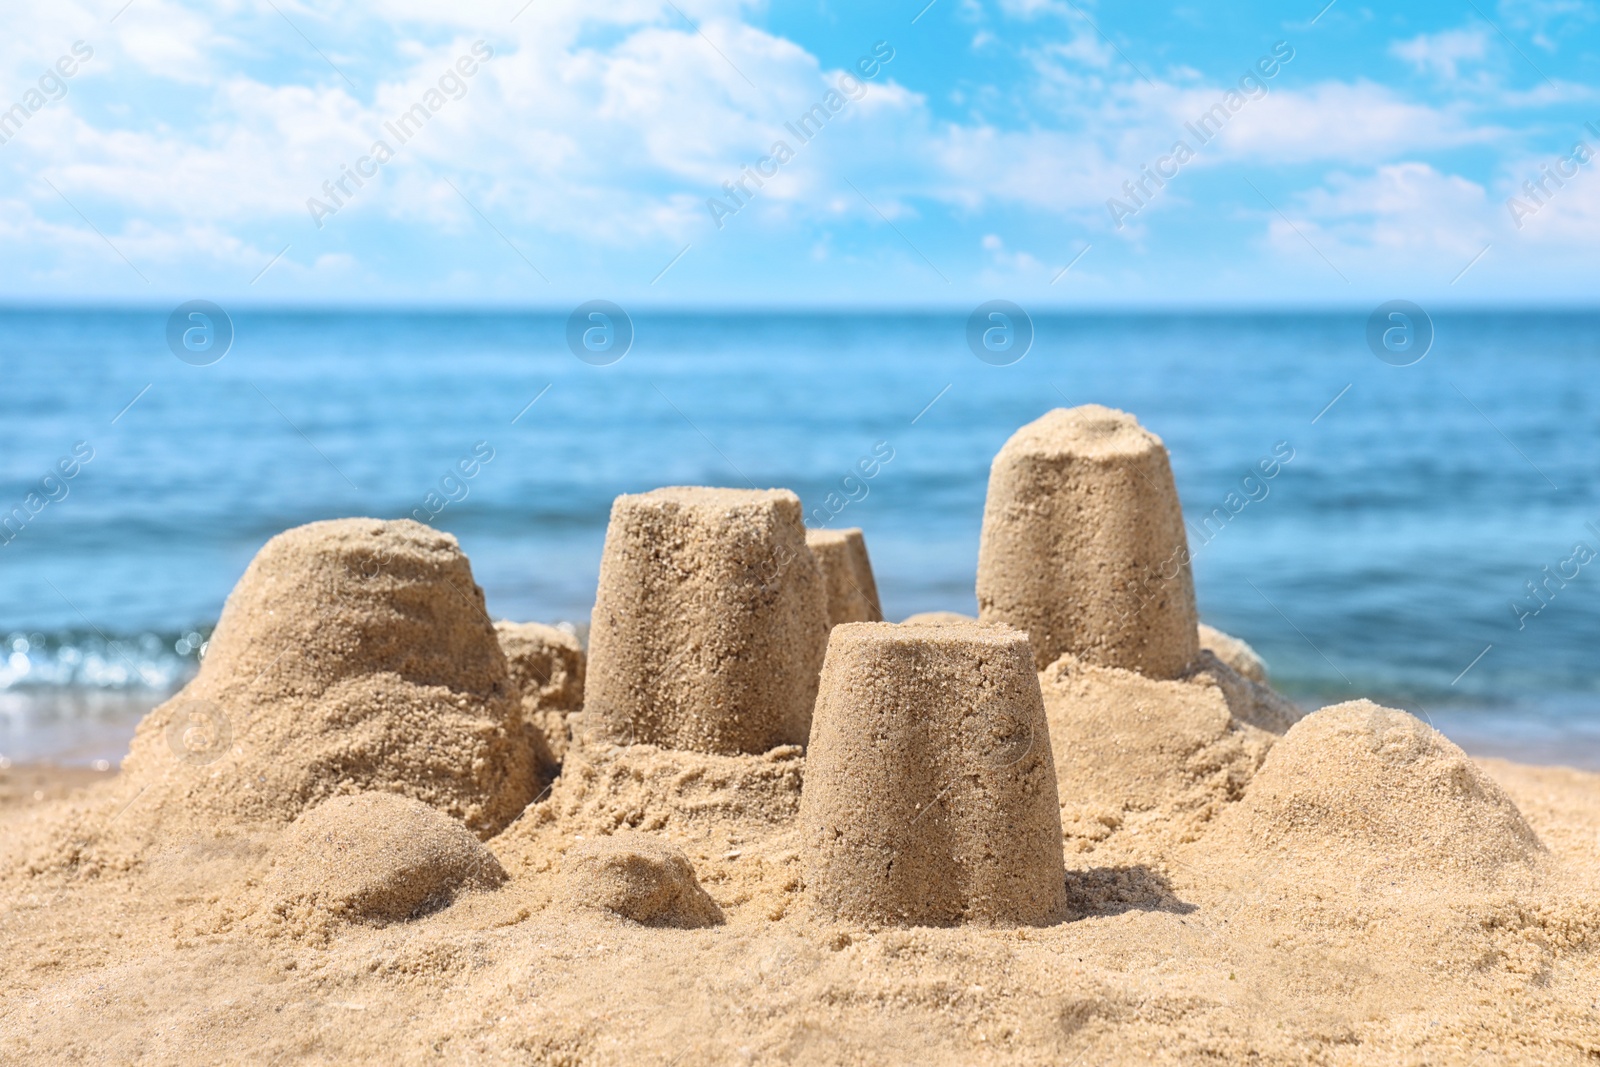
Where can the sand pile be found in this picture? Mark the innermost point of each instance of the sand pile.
(846, 575)
(1365, 786)
(929, 795)
(353, 655)
(639, 878)
(710, 623)
(1143, 764)
(546, 666)
(735, 816)
(374, 858)
(644, 787)
(1084, 546)
(1234, 652)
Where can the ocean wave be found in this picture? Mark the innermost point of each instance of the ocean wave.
(93, 660)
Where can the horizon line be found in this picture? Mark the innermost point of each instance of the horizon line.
(1174, 309)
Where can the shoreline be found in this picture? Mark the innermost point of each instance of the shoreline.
(1513, 737)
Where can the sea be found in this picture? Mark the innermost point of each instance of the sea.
(1426, 537)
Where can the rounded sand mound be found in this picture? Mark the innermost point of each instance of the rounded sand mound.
(547, 667)
(640, 878)
(353, 655)
(375, 858)
(1361, 784)
(937, 618)
(1234, 652)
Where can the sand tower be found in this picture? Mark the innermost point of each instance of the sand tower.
(930, 795)
(353, 655)
(1084, 547)
(846, 574)
(710, 623)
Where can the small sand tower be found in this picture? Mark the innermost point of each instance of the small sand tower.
(1084, 546)
(710, 624)
(930, 795)
(847, 575)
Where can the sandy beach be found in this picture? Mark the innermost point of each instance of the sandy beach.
(753, 824)
(1160, 961)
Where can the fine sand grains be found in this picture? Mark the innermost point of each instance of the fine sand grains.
(710, 623)
(1219, 950)
(1083, 544)
(930, 798)
(1143, 764)
(639, 878)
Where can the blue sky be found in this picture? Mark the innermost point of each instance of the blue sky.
(956, 152)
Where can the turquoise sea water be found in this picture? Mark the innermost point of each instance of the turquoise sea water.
(1387, 558)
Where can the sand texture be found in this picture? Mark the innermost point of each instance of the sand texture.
(710, 624)
(1197, 939)
(930, 794)
(639, 878)
(1083, 544)
(846, 575)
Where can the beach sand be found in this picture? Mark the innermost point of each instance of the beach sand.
(1172, 952)
(346, 840)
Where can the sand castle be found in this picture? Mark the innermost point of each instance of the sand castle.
(930, 792)
(710, 623)
(353, 655)
(846, 574)
(335, 843)
(1083, 544)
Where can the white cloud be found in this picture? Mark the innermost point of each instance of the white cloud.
(1399, 214)
(1558, 211)
(608, 127)
(1442, 54)
(1031, 9)
(1351, 123)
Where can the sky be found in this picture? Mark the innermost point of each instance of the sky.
(727, 153)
